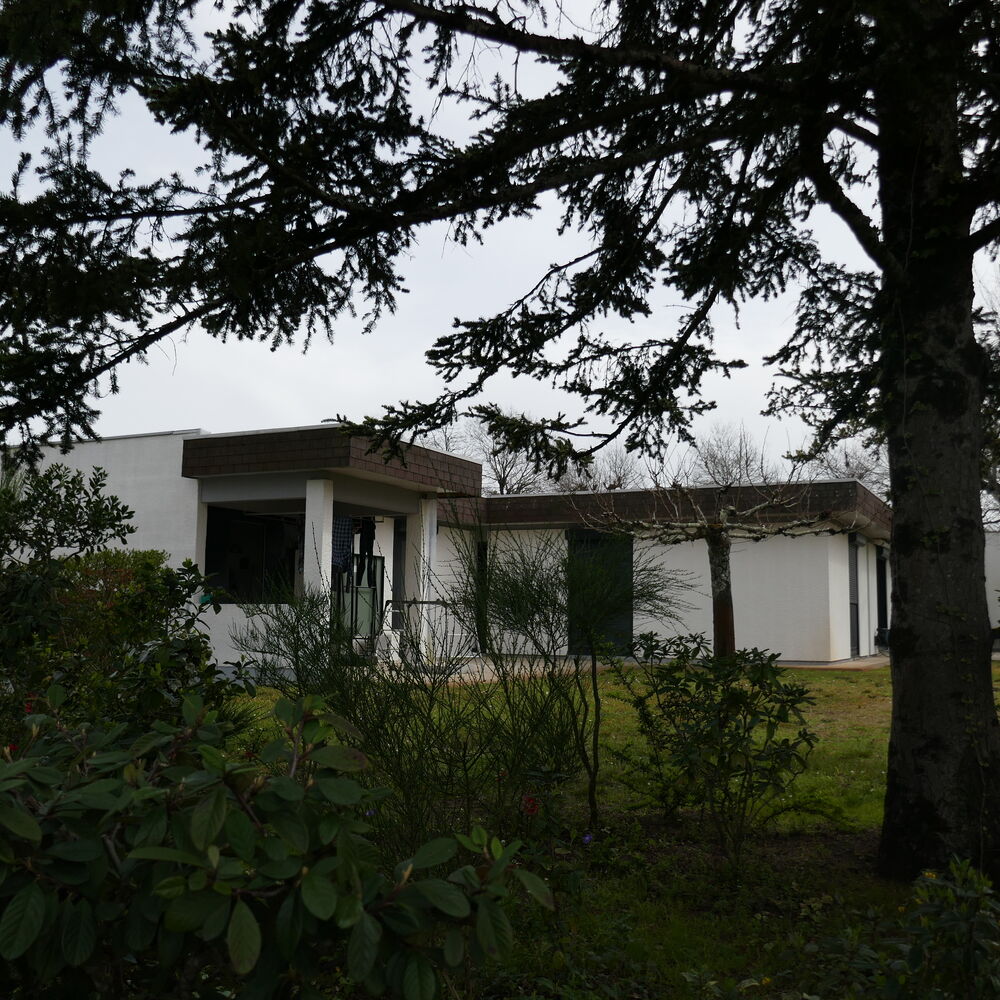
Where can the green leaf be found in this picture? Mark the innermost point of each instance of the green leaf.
(362, 947)
(435, 852)
(340, 758)
(21, 922)
(212, 759)
(319, 895)
(172, 887)
(166, 854)
(241, 835)
(349, 911)
(503, 858)
(329, 827)
(284, 711)
(454, 947)
(215, 922)
(286, 788)
(273, 751)
(419, 981)
(341, 724)
(493, 930)
(46, 775)
(288, 926)
(243, 939)
(79, 934)
(191, 709)
(55, 696)
(339, 791)
(190, 911)
(292, 830)
(207, 818)
(20, 823)
(77, 850)
(537, 889)
(147, 742)
(447, 898)
(281, 870)
(152, 829)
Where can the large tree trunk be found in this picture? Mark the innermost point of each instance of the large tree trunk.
(723, 627)
(943, 783)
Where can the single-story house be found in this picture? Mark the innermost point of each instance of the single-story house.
(271, 512)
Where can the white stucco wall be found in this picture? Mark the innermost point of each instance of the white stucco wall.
(144, 472)
(993, 575)
(791, 595)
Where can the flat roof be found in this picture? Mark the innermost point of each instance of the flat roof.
(324, 448)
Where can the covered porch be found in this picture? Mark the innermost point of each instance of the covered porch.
(282, 512)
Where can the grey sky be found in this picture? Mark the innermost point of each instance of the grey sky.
(221, 387)
(199, 382)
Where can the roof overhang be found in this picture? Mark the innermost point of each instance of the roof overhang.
(325, 449)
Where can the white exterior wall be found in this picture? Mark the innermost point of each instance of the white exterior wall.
(790, 595)
(868, 595)
(838, 598)
(782, 594)
(690, 561)
(993, 575)
(144, 472)
(456, 546)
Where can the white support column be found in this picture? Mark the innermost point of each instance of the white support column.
(318, 556)
(428, 565)
(428, 542)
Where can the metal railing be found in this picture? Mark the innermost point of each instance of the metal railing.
(360, 595)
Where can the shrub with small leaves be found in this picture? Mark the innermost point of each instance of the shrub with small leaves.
(161, 866)
(725, 733)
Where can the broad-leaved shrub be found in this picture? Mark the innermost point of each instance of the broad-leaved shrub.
(163, 866)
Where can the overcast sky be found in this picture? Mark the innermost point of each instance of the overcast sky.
(198, 382)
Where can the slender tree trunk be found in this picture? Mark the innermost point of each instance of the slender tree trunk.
(595, 742)
(723, 627)
(943, 781)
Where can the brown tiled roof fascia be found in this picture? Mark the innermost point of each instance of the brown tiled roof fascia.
(320, 448)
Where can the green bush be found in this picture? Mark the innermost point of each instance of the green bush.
(716, 734)
(459, 746)
(46, 519)
(541, 608)
(161, 866)
(113, 670)
(945, 946)
(114, 601)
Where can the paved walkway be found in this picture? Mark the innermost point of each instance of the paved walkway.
(860, 663)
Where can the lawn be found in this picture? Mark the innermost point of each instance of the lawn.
(653, 910)
(648, 908)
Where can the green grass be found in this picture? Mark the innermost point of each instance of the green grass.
(656, 905)
(647, 909)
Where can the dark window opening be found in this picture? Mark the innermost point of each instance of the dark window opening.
(481, 595)
(852, 584)
(398, 571)
(599, 591)
(882, 599)
(253, 557)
